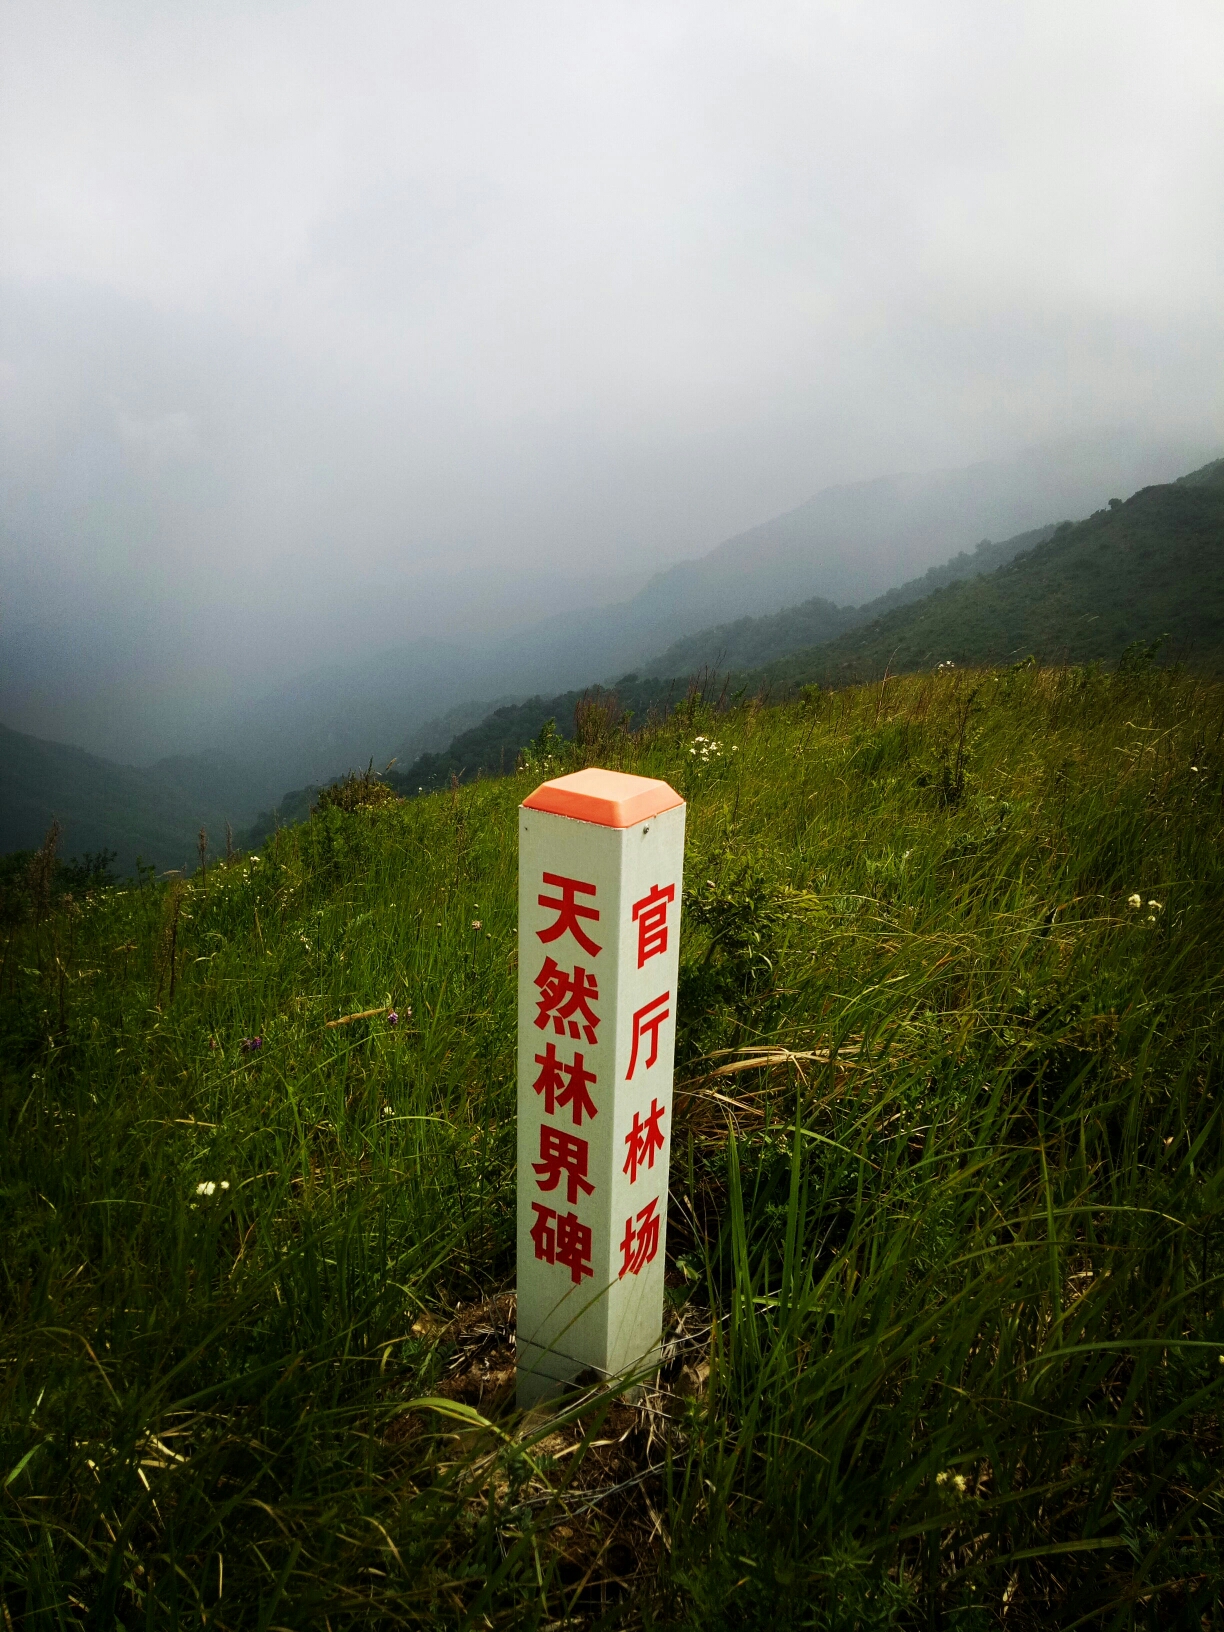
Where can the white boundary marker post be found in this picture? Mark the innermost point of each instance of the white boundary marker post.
(601, 858)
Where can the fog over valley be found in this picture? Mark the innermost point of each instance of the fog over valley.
(362, 365)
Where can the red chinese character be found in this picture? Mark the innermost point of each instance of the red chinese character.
(557, 1091)
(645, 1021)
(543, 1232)
(563, 996)
(641, 1246)
(560, 1239)
(650, 915)
(643, 1139)
(562, 1153)
(568, 912)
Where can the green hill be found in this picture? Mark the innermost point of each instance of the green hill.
(1148, 568)
(945, 1250)
(718, 660)
(751, 642)
(1140, 571)
(155, 812)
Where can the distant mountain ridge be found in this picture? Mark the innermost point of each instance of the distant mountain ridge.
(749, 642)
(847, 544)
(1150, 569)
(488, 744)
(154, 812)
(429, 698)
(1135, 571)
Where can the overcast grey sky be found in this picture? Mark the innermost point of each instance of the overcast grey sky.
(307, 307)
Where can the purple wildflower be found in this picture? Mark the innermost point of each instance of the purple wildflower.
(393, 1018)
(251, 1045)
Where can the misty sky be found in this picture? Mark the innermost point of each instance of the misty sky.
(335, 322)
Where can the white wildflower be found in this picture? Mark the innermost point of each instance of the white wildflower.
(951, 1482)
(206, 1187)
(1156, 906)
(1134, 900)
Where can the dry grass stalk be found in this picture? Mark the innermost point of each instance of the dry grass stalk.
(362, 1014)
(40, 875)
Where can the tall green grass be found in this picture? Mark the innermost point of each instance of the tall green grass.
(944, 1270)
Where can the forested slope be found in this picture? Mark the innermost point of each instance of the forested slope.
(749, 642)
(1149, 569)
(152, 811)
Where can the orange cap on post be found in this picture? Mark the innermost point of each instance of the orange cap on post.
(606, 798)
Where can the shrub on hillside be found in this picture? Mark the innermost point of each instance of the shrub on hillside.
(34, 879)
(598, 719)
(359, 790)
(728, 984)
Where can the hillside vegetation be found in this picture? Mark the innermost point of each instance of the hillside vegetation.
(750, 642)
(1149, 569)
(854, 541)
(490, 745)
(1087, 596)
(154, 811)
(947, 1211)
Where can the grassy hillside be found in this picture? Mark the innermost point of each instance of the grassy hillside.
(1147, 568)
(947, 1222)
(155, 812)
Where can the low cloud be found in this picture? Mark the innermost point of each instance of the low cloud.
(316, 323)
